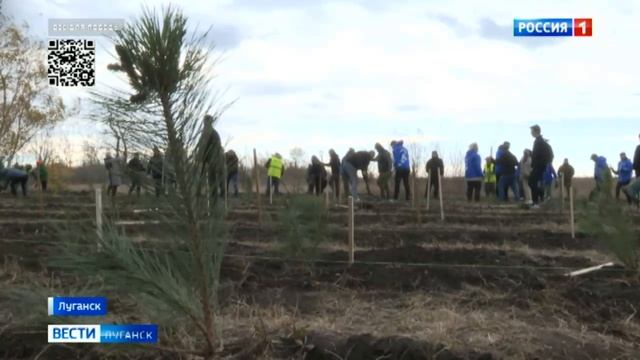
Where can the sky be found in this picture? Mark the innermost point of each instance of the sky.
(441, 74)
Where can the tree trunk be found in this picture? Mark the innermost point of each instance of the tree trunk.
(192, 219)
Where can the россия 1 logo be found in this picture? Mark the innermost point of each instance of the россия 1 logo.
(553, 27)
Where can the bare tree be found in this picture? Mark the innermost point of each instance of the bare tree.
(90, 154)
(455, 162)
(418, 153)
(297, 155)
(27, 103)
(42, 146)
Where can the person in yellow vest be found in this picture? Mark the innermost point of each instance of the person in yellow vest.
(489, 173)
(275, 170)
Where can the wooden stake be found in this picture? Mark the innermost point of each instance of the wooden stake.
(41, 200)
(255, 175)
(163, 182)
(562, 191)
(573, 225)
(440, 195)
(99, 214)
(270, 190)
(589, 269)
(352, 243)
(208, 197)
(326, 199)
(413, 189)
(226, 188)
(428, 190)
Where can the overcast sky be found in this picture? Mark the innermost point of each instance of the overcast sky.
(322, 74)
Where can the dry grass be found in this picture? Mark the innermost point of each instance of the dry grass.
(511, 333)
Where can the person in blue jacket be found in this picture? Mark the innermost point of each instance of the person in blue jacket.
(599, 170)
(402, 166)
(473, 172)
(549, 179)
(12, 177)
(624, 172)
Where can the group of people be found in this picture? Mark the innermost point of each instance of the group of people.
(530, 179)
(533, 177)
(19, 175)
(625, 169)
(344, 172)
(213, 162)
(159, 171)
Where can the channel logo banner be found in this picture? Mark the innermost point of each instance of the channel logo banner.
(129, 334)
(104, 333)
(542, 27)
(77, 306)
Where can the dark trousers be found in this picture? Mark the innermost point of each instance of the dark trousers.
(535, 178)
(317, 185)
(619, 186)
(506, 182)
(497, 190)
(233, 179)
(435, 185)
(383, 183)
(473, 190)
(334, 181)
(157, 182)
(402, 175)
(23, 185)
(112, 190)
(135, 185)
(490, 189)
(44, 185)
(275, 183)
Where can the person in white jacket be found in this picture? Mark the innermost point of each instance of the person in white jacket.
(525, 170)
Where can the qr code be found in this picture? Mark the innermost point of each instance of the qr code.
(71, 62)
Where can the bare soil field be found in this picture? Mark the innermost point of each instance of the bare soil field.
(488, 282)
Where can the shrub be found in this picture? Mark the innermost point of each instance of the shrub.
(604, 219)
(59, 176)
(303, 227)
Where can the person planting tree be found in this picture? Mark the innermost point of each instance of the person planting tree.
(433, 167)
(42, 173)
(275, 171)
(402, 166)
(566, 173)
(13, 177)
(489, 177)
(385, 168)
(624, 172)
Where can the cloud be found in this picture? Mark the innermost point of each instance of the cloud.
(274, 4)
(225, 37)
(372, 5)
(453, 23)
(270, 88)
(491, 30)
(407, 108)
